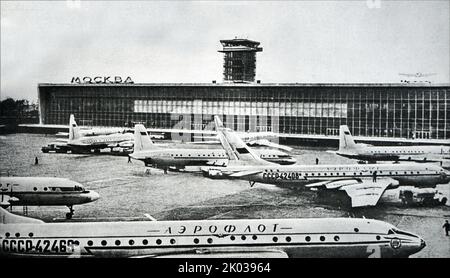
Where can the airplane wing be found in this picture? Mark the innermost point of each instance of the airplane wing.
(420, 158)
(245, 173)
(210, 142)
(267, 143)
(363, 192)
(246, 136)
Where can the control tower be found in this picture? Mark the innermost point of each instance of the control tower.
(239, 63)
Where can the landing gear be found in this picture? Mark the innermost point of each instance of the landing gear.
(69, 214)
(252, 183)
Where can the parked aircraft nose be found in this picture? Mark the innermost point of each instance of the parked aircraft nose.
(416, 245)
(445, 176)
(92, 196)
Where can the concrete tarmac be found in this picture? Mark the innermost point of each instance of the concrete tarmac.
(127, 192)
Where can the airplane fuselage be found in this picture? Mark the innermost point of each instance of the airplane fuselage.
(319, 237)
(405, 174)
(201, 157)
(181, 157)
(41, 191)
(403, 153)
(101, 141)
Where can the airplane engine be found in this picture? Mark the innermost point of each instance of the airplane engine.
(212, 173)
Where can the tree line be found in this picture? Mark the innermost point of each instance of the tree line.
(20, 111)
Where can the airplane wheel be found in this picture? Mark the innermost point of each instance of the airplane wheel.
(443, 201)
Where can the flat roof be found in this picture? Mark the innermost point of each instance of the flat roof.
(239, 41)
(231, 84)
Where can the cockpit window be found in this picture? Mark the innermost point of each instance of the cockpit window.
(75, 188)
(395, 231)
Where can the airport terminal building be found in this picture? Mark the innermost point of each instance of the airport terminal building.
(374, 110)
(400, 110)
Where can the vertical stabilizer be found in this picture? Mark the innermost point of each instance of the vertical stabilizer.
(223, 141)
(74, 130)
(346, 141)
(234, 146)
(142, 141)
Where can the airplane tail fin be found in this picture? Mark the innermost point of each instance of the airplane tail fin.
(8, 218)
(142, 140)
(218, 122)
(346, 141)
(235, 148)
(74, 130)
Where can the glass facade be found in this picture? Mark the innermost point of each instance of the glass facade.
(398, 111)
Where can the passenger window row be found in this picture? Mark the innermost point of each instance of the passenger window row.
(172, 241)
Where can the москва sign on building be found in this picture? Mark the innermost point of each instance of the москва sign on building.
(102, 80)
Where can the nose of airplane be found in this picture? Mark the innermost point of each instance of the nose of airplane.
(422, 243)
(445, 175)
(92, 195)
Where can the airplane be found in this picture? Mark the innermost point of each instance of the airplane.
(44, 191)
(93, 132)
(417, 74)
(364, 184)
(152, 155)
(348, 148)
(232, 238)
(80, 143)
(249, 141)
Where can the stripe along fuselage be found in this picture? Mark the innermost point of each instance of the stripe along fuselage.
(314, 237)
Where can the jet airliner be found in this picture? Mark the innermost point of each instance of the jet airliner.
(158, 157)
(348, 148)
(44, 191)
(364, 184)
(243, 238)
(81, 143)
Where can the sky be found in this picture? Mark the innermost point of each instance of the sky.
(177, 42)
